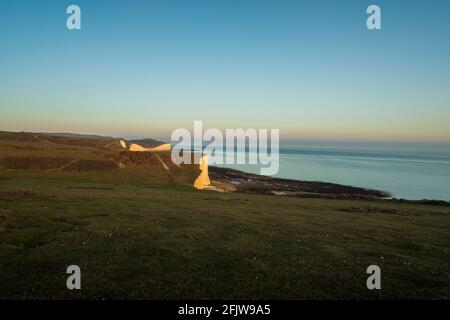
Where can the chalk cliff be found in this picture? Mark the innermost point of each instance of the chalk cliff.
(202, 180)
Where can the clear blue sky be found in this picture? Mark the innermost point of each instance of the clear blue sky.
(310, 68)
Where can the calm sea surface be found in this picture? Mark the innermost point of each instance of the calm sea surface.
(406, 171)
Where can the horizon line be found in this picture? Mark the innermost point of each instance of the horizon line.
(284, 140)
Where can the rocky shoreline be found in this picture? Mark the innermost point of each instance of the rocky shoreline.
(239, 181)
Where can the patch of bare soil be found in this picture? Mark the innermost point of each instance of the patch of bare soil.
(64, 164)
(33, 163)
(18, 136)
(139, 158)
(18, 147)
(91, 165)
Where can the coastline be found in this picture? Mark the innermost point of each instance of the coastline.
(239, 181)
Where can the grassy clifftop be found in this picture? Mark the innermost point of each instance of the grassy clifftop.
(138, 231)
(136, 241)
(89, 158)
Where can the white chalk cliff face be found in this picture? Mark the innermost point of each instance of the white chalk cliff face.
(163, 147)
(203, 179)
(138, 148)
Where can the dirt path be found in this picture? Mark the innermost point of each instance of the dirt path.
(43, 140)
(110, 144)
(67, 164)
(166, 168)
(163, 163)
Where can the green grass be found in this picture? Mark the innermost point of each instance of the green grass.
(135, 240)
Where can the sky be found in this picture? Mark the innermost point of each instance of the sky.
(309, 68)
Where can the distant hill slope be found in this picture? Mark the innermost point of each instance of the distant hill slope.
(74, 139)
(76, 135)
(70, 139)
(56, 154)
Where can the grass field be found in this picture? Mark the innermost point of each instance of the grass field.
(135, 240)
(139, 231)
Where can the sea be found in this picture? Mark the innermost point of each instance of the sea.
(405, 170)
